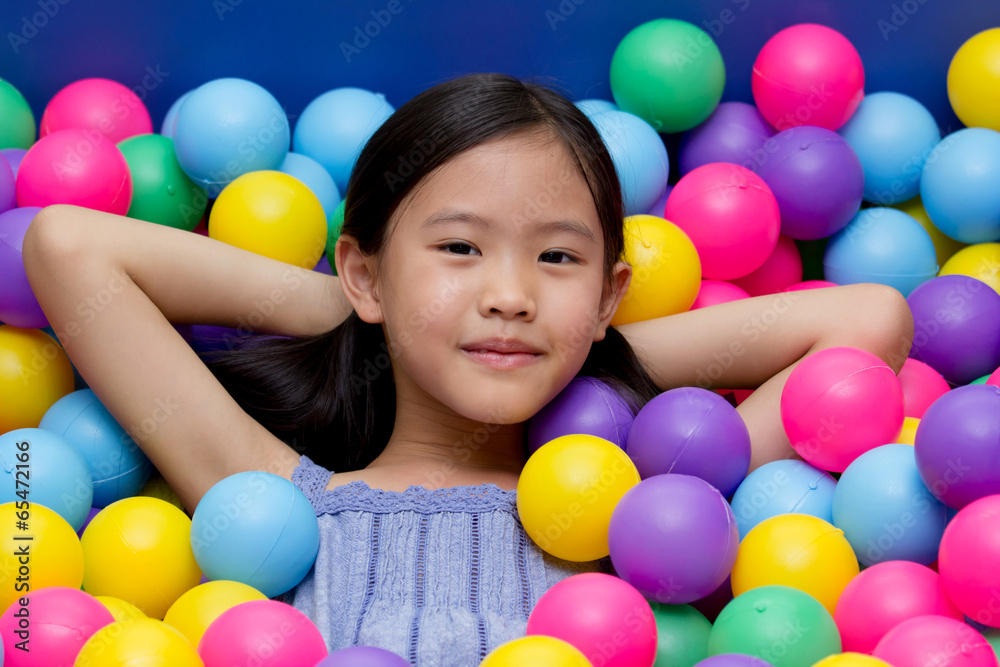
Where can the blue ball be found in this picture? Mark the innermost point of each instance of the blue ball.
(226, 128)
(885, 510)
(639, 155)
(256, 528)
(892, 134)
(593, 105)
(170, 120)
(316, 178)
(881, 245)
(118, 467)
(787, 486)
(50, 470)
(335, 126)
(960, 185)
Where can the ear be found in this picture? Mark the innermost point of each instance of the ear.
(357, 279)
(622, 277)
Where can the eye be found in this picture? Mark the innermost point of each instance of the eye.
(458, 248)
(555, 257)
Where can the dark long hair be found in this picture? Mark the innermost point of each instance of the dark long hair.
(332, 396)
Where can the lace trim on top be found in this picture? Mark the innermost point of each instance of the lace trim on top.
(357, 496)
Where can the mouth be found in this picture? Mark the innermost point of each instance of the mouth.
(502, 353)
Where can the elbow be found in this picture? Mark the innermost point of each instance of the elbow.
(887, 328)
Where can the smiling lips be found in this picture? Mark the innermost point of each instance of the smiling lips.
(502, 353)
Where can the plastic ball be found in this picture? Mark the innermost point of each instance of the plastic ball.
(195, 610)
(639, 155)
(55, 623)
(334, 127)
(851, 659)
(922, 385)
(34, 373)
(944, 245)
(256, 528)
(143, 641)
(18, 305)
(808, 74)
(783, 487)
(118, 467)
(838, 403)
(817, 180)
(970, 551)
(594, 610)
(157, 487)
(161, 191)
(590, 106)
(960, 185)
(935, 640)
(892, 135)
(587, 405)
(8, 188)
(362, 656)
(229, 127)
(333, 227)
(121, 610)
(714, 292)
(980, 261)
(244, 633)
(956, 327)
(681, 634)
(669, 72)
(316, 178)
(735, 132)
(536, 650)
(13, 156)
(272, 214)
(96, 104)
(75, 166)
(809, 284)
(18, 127)
(782, 268)
(657, 208)
(691, 431)
(973, 80)
(908, 432)
(666, 273)
(657, 515)
(729, 214)
(883, 596)
(567, 491)
(733, 660)
(170, 119)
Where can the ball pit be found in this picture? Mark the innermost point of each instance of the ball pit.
(639, 155)
(18, 305)
(735, 132)
(96, 104)
(783, 487)
(245, 632)
(34, 373)
(194, 611)
(587, 405)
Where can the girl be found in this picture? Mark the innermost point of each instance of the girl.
(479, 265)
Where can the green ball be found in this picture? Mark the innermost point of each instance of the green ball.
(981, 380)
(681, 635)
(333, 226)
(780, 624)
(17, 124)
(161, 191)
(669, 73)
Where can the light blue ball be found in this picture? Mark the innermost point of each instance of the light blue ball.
(50, 470)
(881, 245)
(885, 510)
(892, 134)
(785, 486)
(639, 155)
(256, 528)
(170, 120)
(226, 128)
(316, 178)
(593, 105)
(960, 185)
(118, 467)
(335, 126)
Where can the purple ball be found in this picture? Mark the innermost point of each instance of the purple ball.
(86, 522)
(660, 207)
(362, 656)
(817, 179)
(18, 305)
(204, 338)
(586, 405)
(691, 431)
(674, 538)
(13, 157)
(8, 197)
(735, 132)
(733, 660)
(957, 446)
(956, 327)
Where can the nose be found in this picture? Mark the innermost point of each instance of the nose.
(508, 291)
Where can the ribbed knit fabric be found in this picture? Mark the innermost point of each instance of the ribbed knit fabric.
(439, 577)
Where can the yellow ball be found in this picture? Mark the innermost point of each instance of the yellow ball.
(974, 80)
(567, 491)
(666, 270)
(157, 487)
(121, 610)
(54, 554)
(909, 431)
(144, 641)
(34, 373)
(851, 659)
(797, 550)
(536, 650)
(139, 549)
(944, 245)
(195, 610)
(980, 261)
(272, 214)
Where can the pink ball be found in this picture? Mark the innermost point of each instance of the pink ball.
(883, 596)
(922, 385)
(97, 104)
(969, 560)
(839, 403)
(75, 167)
(937, 641)
(994, 378)
(61, 621)
(809, 284)
(603, 616)
(714, 292)
(265, 633)
(781, 269)
(808, 74)
(730, 215)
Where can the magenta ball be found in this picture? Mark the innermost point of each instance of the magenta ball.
(75, 167)
(782, 268)
(18, 305)
(713, 292)
(593, 611)
(969, 560)
(362, 656)
(245, 633)
(673, 537)
(98, 104)
(922, 385)
(729, 214)
(935, 640)
(735, 132)
(808, 74)
(691, 431)
(809, 284)
(839, 403)
(586, 405)
(8, 189)
(61, 621)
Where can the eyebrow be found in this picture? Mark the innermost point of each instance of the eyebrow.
(574, 227)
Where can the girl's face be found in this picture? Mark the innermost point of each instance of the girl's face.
(490, 284)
